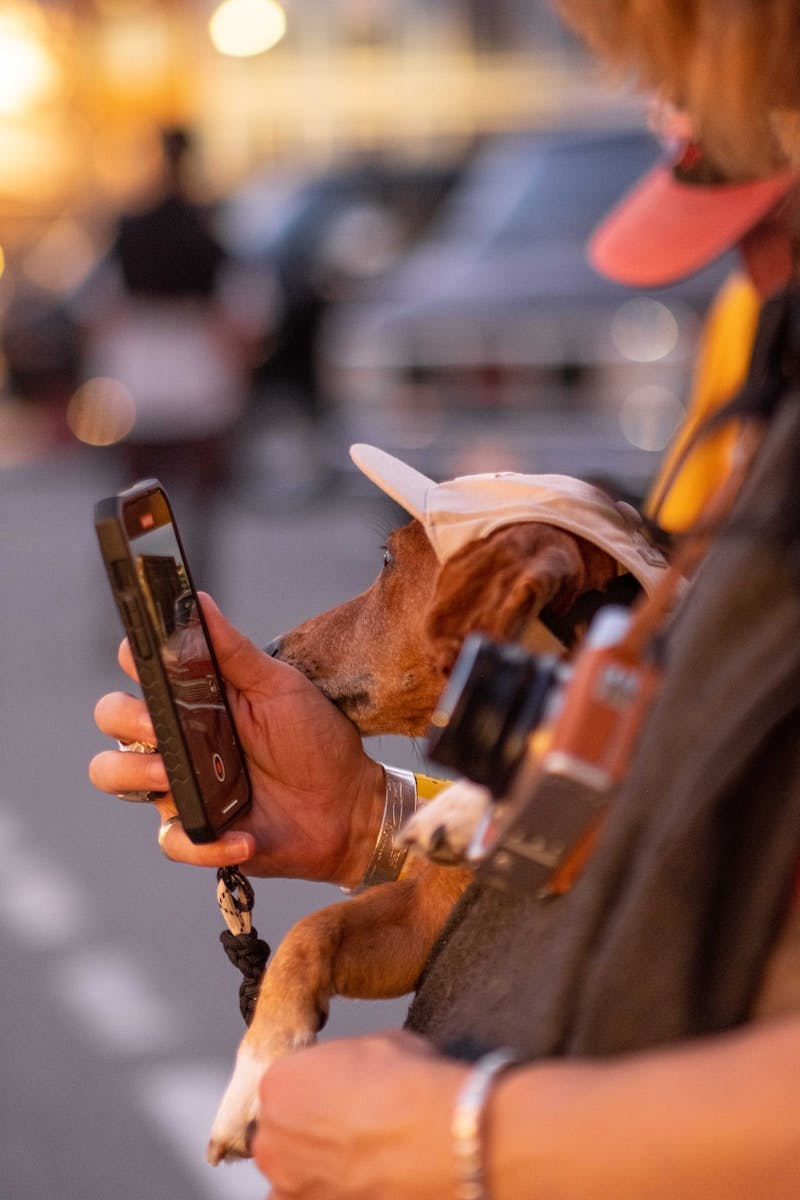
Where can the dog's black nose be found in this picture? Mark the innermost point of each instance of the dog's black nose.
(273, 648)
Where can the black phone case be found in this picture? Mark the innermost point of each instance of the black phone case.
(172, 745)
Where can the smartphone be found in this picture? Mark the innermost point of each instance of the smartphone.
(185, 694)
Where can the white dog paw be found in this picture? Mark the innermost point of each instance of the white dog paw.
(232, 1128)
(238, 1111)
(443, 828)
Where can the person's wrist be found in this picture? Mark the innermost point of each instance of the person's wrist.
(468, 1124)
(365, 823)
(382, 855)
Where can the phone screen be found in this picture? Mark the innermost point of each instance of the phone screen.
(184, 651)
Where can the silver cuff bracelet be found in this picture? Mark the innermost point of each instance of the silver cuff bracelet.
(467, 1120)
(388, 857)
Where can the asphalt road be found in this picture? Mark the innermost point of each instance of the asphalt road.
(118, 1007)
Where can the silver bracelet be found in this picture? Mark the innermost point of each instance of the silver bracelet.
(467, 1120)
(388, 856)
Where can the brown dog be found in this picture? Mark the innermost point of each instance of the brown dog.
(384, 658)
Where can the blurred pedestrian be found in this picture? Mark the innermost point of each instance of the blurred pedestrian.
(163, 318)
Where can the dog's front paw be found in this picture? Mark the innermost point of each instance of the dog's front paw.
(443, 828)
(235, 1121)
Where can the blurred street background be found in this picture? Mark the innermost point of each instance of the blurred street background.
(384, 204)
(119, 1009)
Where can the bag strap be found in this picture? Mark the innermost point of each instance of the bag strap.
(774, 367)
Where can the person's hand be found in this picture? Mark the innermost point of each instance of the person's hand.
(366, 1118)
(317, 797)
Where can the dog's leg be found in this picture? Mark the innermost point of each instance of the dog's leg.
(370, 947)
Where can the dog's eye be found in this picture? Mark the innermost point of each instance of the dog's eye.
(387, 556)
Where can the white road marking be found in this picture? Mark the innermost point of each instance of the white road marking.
(112, 998)
(40, 902)
(181, 1100)
(119, 1010)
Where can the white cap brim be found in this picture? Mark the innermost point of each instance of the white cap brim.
(471, 507)
(403, 484)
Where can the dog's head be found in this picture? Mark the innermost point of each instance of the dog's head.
(484, 554)
(371, 655)
(384, 656)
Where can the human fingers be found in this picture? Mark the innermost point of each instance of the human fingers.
(233, 848)
(356, 1117)
(124, 717)
(236, 654)
(132, 776)
(125, 660)
(117, 772)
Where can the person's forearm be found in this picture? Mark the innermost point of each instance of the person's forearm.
(718, 1120)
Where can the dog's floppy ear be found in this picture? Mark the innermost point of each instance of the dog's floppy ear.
(490, 585)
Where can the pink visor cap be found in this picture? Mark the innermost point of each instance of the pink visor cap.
(678, 218)
(471, 507)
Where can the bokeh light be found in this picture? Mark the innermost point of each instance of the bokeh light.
(645, 330)
(62, 258)
(650, 415)
(28, 71)
(101, 412)
(243, 28)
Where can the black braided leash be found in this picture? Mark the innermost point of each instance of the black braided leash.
(246, 950)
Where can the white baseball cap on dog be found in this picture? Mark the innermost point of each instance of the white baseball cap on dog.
(470, 507)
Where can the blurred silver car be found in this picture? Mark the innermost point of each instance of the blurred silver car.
(495, 345)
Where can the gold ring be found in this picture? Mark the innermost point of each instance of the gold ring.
(142, 797)
(164, 829)
(136, 747)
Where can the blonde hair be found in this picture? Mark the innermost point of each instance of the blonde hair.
(734, 65)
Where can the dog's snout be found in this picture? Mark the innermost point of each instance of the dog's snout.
(273, 648)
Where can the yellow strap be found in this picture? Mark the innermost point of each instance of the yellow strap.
(428, 787)
(691, 472)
